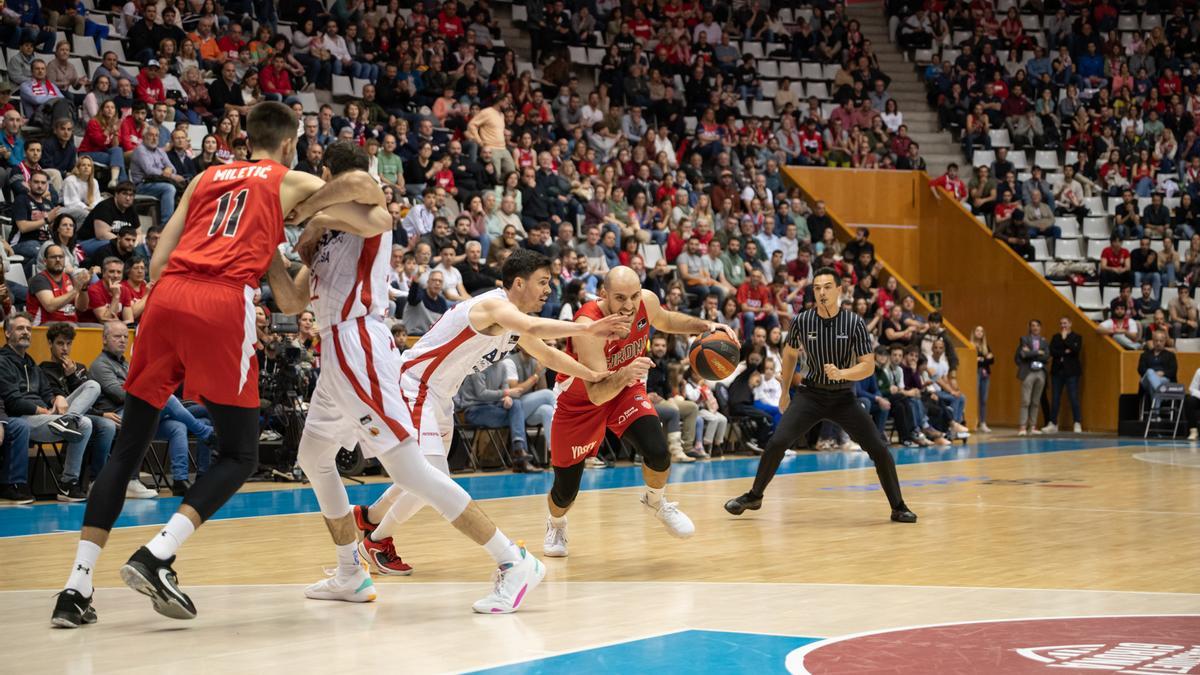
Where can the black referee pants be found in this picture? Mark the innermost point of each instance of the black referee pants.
(811, 406)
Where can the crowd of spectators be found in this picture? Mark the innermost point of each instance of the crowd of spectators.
(655, 166)
(1104, 97)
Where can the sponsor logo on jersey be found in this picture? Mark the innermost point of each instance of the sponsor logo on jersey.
(812, 336)
(578, 451)
(626, 415)
(843, 337)
(647, 406)
(364, 420)
(374, 431)
(1122, 657)
(642, 324)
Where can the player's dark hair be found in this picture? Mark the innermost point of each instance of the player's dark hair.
(59, 329)
(343, 156)
(269, 124)
(837, 278)
(521, 265)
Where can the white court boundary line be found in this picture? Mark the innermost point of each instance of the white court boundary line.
(1157, 458)
(795, 660)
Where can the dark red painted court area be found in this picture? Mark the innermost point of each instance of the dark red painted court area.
(1128, 645)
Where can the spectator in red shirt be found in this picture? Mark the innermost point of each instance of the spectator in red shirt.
(150, 89)
(756, 304)
(950, 182)
(1115, 265)
(450, 25)
(130, 133)
(137, 286)
(232, 42)
(108, 299)
(53, 294)
(276, 81)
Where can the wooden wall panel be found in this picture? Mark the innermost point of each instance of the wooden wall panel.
(981, 281)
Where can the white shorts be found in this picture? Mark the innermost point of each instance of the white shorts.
(357, 397)
(432, 415)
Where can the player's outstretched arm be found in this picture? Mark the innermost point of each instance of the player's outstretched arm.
(667, 321)
(353, 201)
(169, 238)
(291, 294)
(506, 315)
(558, 361)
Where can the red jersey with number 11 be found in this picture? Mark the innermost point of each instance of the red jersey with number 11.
(234, 224)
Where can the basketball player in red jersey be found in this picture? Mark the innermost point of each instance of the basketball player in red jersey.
(584, 410)
(199, 323)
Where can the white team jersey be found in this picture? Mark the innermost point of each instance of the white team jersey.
(452, 350)
(349, 277)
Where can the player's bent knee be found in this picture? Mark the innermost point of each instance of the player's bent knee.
(566, 485)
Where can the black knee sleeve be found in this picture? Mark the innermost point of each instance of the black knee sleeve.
(566, 485)
(647, 437)
(237, 438)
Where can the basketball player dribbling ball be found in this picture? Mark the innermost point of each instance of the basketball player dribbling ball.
(585, 410)
(199, 324)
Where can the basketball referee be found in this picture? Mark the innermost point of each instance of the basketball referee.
(839, 353)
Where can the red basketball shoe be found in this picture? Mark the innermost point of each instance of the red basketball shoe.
(360, 519)
(382, 559)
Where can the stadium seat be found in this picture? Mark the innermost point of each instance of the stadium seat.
(578, 54)
(922, 56)
(1127, 22)
(651, 253)
(768, 69)
(519, 13)
(1045, 159)
(83, 46)
(1040, 249)
(829, 71)
(197, 132)
(798, 87)
(1187, 345)
(812, 71)
(1066, 291)
(1109, 294)
(753, 48)
(1067, 249)
(1151, 21)
(1087, 297)
(1095, 247)
(819, 90)
(762, 109)
(769, 89)
(342, 87)
(1169, 293)
(999, 138)
(1069, 227)
(1031, 22)
(309, 100)
(983, 158)
(16, 271)
(1019, 159)
(790, 69)
(1095, 205)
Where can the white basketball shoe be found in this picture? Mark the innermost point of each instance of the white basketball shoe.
(511, 583)
(676, 522)
(555, 544)
(356, 587)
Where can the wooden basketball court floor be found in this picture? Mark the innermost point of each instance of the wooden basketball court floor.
(1046, 527)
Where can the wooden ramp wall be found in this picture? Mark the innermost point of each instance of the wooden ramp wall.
(935, 244)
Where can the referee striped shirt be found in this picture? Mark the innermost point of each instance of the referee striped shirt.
(841, 340)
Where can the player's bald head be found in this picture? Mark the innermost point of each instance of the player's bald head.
(622, 280)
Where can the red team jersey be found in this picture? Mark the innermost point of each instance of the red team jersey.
(234, 223)
(199, 318)
(579, 425)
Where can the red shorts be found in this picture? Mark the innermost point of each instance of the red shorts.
(579, 425)
(201, 333)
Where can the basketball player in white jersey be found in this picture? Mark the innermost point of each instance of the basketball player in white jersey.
(434, 368)
(358, 393)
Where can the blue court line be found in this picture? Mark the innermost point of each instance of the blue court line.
(690, 651)
(16, 521)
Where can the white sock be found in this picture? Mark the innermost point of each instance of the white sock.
(502, 549)
(347, 557)
(86, 555)
(654, 496)
(171, 537)
(558, 521)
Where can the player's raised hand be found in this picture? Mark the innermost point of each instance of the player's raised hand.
(610, 327)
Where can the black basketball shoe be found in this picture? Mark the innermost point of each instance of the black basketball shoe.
(747, 502)
(150, 576)
(72, 610)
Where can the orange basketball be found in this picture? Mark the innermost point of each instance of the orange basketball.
(714, 355)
